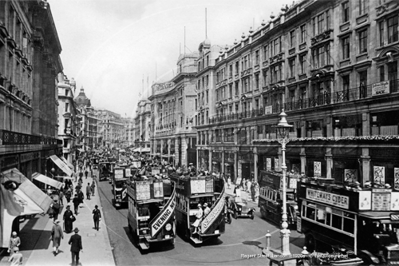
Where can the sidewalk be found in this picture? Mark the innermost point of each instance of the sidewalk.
(38, 250)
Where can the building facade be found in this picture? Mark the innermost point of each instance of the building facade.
(173, 107)
(111, 129)
(332, 66)
(30, 62)
(142, 123)
(67, 117)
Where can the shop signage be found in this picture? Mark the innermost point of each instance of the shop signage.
(380, 88)
(268, 110)
(379, 174)
(276, 164)
(394, 216)
(328, 198)
(317, 169)
(396, 178)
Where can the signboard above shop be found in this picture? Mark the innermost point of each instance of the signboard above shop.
(380, 88)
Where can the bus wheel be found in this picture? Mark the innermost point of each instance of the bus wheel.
(310, 243)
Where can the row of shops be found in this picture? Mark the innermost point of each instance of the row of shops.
(360, 159)
(23, 187)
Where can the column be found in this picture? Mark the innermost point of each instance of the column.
(210, 167)
(329, 161)
(366, 124)
(365, 159)
(256, 164)
(330, 129)
(235, 167)
(222, 167)
(302, 155)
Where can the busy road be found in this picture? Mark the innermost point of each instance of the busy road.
(243, 238)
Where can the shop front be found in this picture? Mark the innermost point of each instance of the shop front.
(216, 161)
(203, 159)
(245, 165)
(229, 165)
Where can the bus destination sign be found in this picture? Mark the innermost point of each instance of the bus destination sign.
(328, 198)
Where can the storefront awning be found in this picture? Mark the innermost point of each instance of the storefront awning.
(61, 165)
(47, 180)
(67, 163)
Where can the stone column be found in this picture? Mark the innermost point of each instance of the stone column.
(256, 157)
(366, 124)
(302, 155)
(210, 161)
(329, 161)
(365, 159)
(235, 167)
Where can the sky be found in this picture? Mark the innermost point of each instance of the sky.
(116, 49)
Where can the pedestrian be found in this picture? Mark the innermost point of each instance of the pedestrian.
(228, 181)
(80, 175)
(96, 217)
(16, 257)
(88, 191)
(256, 191)
(56, 209)
(61, 195)
(15, 241)
(80, 196)
(93, 187)
(76, 203)
(249, 183)
(56, 236)
(68, 220)
(68, 195)
(86, 173)
(76, 246)
(244, 184)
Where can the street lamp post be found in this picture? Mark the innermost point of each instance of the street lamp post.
(283, 129)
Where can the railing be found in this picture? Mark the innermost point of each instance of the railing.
(16, 138)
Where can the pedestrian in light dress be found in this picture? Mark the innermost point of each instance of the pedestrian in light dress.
(15, 241)
(56, 236)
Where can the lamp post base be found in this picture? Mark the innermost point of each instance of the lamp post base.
(285, 242)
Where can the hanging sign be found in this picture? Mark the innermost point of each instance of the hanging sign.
(379, 174)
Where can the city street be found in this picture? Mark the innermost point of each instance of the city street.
(242, 237)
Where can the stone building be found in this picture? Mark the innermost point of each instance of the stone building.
(333, 67)
(173, 108)
(142, 123)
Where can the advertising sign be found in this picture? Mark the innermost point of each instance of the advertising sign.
(381, 201)
(395, 201)
(364, 200)
(197, 186)
(379, 174)
(317, 169)
(163, 216)
(213, 214)
(268, 164)
(396, 178)
(380, 88)
(143, 191)
(118, 173)
(328, 198)
(350, 175)
(268, 109)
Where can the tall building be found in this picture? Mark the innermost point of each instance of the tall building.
(83, 104)
(333, 67)
(142, 123)
(30, 62)
(67, 117)
(111, 129)
(173, 107)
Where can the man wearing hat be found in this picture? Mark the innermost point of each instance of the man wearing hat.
(96, 217)
(68, 220)
(56, 236)
(16, 257)
(76, 246)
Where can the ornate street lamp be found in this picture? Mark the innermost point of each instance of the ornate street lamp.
(283, 129)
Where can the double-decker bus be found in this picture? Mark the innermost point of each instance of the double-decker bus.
(119, 180)
(363, 220)
(270, 197)
(151, 215)
(192, 191)
(105, 169)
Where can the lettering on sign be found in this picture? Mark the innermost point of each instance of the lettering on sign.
(213, 214)
(380, 88)
(162, 86)
(328, 198)
(164, 215)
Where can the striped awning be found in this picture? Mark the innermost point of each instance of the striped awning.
(61, 165)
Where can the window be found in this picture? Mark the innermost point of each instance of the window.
(230, 71)
(363, 84)
(320, 23)
(237, 67)
(276, 73)
(257, 57)
(302, 64)
(230, 90)
(66, 107)
(264, 77)
(236, 88)
(314, 26)
(345, 83)
(393, 29)
(381, 30)
(345, 12)
(292, 38)
(256, 81)
(362, 7)
(363, 41)
(265, 52)
(345, 48)
(381, 70)
(277, 46)
(303, 33)
(292, 68)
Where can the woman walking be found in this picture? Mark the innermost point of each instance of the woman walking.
(68, 220)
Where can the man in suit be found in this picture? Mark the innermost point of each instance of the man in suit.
(76, 246)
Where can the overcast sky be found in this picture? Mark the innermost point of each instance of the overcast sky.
(110, 46)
